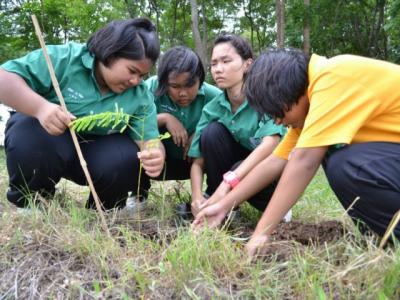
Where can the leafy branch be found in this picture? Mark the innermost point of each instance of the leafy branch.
(114, 119)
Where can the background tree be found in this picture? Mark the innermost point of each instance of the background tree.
(306, 27)
(368, 27)
(280, 23)
(199, 46)
(258, 23)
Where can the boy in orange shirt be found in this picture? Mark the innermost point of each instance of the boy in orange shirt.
(349, 105)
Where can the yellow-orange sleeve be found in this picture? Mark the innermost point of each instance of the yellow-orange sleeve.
(286, 146)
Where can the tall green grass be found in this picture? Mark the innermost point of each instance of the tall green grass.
(59, 251)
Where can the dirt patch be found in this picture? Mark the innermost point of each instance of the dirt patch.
(286, 235)
(306, 234)
(303, 233)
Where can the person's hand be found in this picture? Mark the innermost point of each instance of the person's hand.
(197, 202)
(218, 195)
(53, 118)
(257, 246)
(152, 161)
(211, 216)
(177, 131)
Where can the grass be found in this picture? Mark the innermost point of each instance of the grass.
(61, 252)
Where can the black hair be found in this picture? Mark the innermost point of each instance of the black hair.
(132, 39)
(179, 60)
(276, 80)
(242, 46)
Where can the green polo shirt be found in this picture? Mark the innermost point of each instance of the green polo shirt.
(74, 69)
(188, 116)
(244, 124)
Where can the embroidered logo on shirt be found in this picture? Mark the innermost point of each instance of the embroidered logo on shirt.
(168, 108)
(71, 93)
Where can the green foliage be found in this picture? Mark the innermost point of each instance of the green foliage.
(104, 119)
(113, 120)
(258, 23)
(61, 21)
(370, 28)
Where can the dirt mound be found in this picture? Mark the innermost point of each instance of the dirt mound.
(286, 235)
(320, 233)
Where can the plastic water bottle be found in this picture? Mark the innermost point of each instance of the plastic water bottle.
(288, 217)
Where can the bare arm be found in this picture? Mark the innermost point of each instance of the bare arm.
(260, 153)
(258, 178)
(296, 176)
(196, 182)
(14, 92)
(174, 127)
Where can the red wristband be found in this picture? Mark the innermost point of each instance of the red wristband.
(231, 178)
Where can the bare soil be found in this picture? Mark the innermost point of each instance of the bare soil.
(35, 268)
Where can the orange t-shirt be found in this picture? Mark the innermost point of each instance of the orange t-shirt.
(353, 99)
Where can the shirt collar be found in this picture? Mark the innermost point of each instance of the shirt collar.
(88, 60)
(225, 103)
(201, 91)
(317, 62)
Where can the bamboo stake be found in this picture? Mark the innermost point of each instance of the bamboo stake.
(74, 138)
(390, 229)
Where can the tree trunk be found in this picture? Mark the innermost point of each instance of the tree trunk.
(205, 33)
(196, 32)
(249, 15)
(306, 27)
(130, 8)
(154, 6)
(280, 23)
(172, 38)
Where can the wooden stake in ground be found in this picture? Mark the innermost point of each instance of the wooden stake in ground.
(390, 229)
(74, 138)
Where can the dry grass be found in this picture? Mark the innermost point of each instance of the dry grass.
(60, 252)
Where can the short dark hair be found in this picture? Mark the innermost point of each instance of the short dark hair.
(179, 60)
(276, 80)
(132, 39)
(242, 46)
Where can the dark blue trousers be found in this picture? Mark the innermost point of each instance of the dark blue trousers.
(222, 153)
(36, 161)
(370, 171)
(174, 168)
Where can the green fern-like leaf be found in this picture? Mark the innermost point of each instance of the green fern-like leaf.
(111, 119)
(104, 119)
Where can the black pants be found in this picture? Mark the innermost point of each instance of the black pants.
(174, 169)
(222, 153)
(370, 171)
(36, 161)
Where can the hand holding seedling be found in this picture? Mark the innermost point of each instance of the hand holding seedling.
(176, 129)
(53, 118)
(152, 157)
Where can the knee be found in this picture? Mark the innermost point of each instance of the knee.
(337, 171)
(212, 135)
(116, 169)
(24, 141)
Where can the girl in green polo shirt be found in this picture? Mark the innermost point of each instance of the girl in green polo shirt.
(230, 139)
(94, 78)
(180, 94)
